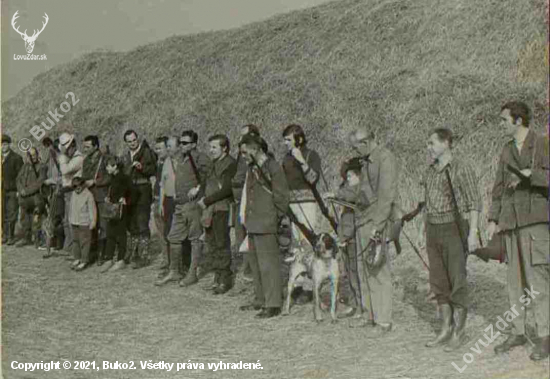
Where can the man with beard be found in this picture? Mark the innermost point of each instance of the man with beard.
(519, 211)
(70, 165)
(94, 172)
(29, 181)
(190, 167)
(215, 205)
(139, 164)
(264, 201)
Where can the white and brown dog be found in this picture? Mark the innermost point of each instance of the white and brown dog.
(319, 265)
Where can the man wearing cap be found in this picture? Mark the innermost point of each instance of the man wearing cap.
(379, 176)
(190, 167)
(94, 172)
(29, 181)
(140, 165)
(70, 165)
(11, 164)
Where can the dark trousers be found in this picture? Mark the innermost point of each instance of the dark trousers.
(10, 207)
(29, 206)
(218, 257)
(240, 234)
(265, 262)
(116, 236)
(82, 240)
(139, 211)
(447, 263)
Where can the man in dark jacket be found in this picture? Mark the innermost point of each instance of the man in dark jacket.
(519, 211)
(94, 172)
(11, 164)
(265, 200)
(30, 179)
(140, 165)
(215, 205)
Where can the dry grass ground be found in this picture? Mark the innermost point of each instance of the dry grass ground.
(53, 313)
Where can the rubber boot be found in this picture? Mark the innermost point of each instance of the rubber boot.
(446, 327)
(11, 235)
(459, 335)
(191, 277)
(174, 274)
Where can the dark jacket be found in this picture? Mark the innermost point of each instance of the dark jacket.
(148, 161)
(266, 202)
(119, 187)
(237, 183)
(218, 184)
(527, 204)
(29, 182)
(96, 164)
(10, 169)
(296, 178)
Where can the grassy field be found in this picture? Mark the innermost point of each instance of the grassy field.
(53, 313)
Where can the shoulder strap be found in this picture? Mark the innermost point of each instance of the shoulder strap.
(456, 212)
(98, 167)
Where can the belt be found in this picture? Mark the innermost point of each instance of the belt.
(29, 195)
(138, 182)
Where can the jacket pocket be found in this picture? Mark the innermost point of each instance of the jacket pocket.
(540, 245)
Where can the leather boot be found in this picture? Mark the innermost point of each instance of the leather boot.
(541, 350)
(512, 341)
(459, 335)
(191, 277)
(446, 327)
(174, 274)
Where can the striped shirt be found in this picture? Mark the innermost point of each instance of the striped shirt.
(437, 192)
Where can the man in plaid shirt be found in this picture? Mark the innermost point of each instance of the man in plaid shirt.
(447, 245)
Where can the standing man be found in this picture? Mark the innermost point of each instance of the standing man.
(265, 199)
(190, 168)
(162, 152)
(94, 172)
(56, 203)
(11, 164)
(519, 211)
(70, 165)
(29, 181)
(379, 176)
(140, 165)
(215, 205)
(237, 184)
(449, 180)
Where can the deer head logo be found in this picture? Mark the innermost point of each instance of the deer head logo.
(29, 41)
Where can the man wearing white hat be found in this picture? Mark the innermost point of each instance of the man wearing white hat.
(70, 165)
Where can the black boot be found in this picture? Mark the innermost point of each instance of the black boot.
(446, 327)
(459, 334)
(512, 341)
(11, 234)
(191, 277)
(174, 273)
(541, 350)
